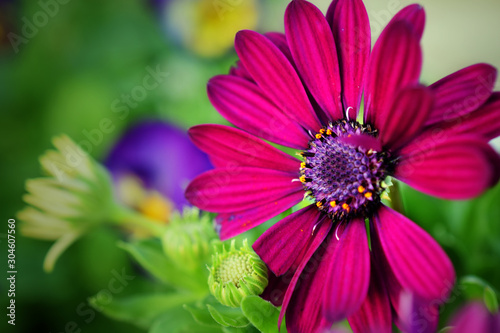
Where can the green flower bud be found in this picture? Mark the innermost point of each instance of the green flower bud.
(187, 239)
(235, 274)
(76, 195)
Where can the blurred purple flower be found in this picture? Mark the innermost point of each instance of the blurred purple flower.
(476, 318)
(303, 90)
(161, 156)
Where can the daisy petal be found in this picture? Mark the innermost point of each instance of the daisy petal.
(316, 240)
(462, 92)
(395, 63)
(305, 310)
(239, 70)
(407, 116)
(278, 246)
(276, 76)
(349, 273)
(279, 39)
(351, 31)
(313, 49)
(448, 166)
(485, 121)
(413, 14)
(234, 223)
(229, 147)
(276, 287)
(475, 317)
(374, 316)
(244, 104)
(415, 258)
(235, 189)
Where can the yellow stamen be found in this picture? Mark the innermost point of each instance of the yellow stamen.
(318, 136)
(319, 204)
(333, 203)
(361, 189)
(303, 179)
(346, 207)
(302, 165)
(328, 132)
(368, 195)
(322, 131)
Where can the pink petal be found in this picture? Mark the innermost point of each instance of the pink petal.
(245, 105)
(406, 117)
(315, 241)
(229, 147)
(305, 310)
(462, 92)
(413, 14)
(410, 313)
(474, 317)
(240, 188)
(279, 39)
(485, 121)
(351, 31)
(374, 316)
(276, 76)
(280, 245)
(349, 274)
(449, 166)
(415, 258)
(239, 70)
(234, 223)
(395, 63)
(313, 49)
(276, 287)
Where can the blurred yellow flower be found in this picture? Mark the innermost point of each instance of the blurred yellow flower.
(207, 27)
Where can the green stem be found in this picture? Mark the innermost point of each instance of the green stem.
(127, 217)
(396, 198)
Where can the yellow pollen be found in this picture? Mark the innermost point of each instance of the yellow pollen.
(333, 203)
(368, 195)
(328, 132)
(322, 131)
(303, 179)
(318, 136)
(346, 207)
(302, 165)
(319, 204)
(361, 189)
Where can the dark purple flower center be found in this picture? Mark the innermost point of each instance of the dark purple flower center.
(343, 171)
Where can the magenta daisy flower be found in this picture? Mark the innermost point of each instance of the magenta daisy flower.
(302, 90)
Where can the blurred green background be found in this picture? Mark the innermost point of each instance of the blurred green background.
(77, 68)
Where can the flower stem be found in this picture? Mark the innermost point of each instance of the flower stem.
(396, 198)
(127, 217)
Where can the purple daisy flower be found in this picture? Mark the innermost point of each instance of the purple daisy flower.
(302, 90)
(161, 156)
(475, 317)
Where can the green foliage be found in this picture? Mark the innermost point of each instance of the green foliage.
(262, 314)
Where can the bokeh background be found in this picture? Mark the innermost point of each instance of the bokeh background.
(82, 62)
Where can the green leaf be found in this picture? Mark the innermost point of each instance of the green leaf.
(473, 286)
(201, 315)
(149, 254)
(140, 310)
(490, 299)
(179, 320)
(262, 314)
(228, 317)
